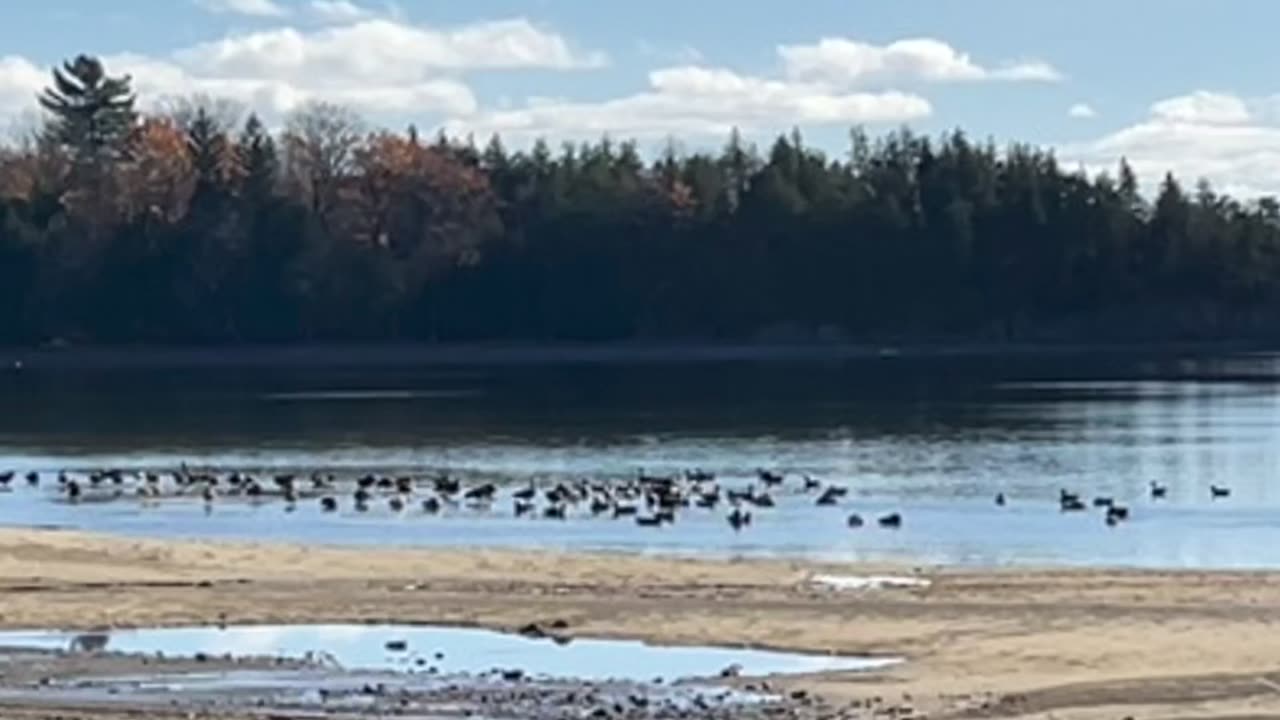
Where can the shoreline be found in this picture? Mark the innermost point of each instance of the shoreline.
(149, 357)
(1060, 637)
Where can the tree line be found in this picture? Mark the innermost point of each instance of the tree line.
(189, 225)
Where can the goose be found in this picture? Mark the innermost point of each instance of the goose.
(431, 506)
(1117, 513)
(555, 512)
(810, 485)
(328, 504)
(1069, 501)
(830, 496)
(892, 520)
(523, 507)
(527, 493)
(1218, 493)
(33, 478)
(699, 476)
(207, 494)
(625, 511)
(651, 521)
(6, 478)
(445, 485)
(770, 478)
(1103, 502)
(1158, 491)
(396, 503)
(1001, 501)
(739, 519)
(854, 521)
(1071, 504)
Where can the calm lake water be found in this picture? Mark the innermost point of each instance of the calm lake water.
(934, 439)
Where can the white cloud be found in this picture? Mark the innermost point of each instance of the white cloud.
(155, 80)
(375, 66)
(830, 82)
(20, 81)
(691, 100)
(339, 11)
(848, 62)
(1082, 111)
(254, 8)
(1232, 141)
(1203, 107)
(386, 50)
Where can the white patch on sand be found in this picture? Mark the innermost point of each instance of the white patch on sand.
(870, 582)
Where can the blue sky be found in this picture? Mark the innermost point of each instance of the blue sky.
(1177, 84)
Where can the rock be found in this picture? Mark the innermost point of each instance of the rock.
(532, 630)
(732, 671)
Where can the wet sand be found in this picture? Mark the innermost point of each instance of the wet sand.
(993, 643)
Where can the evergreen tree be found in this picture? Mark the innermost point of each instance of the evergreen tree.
(92, 112)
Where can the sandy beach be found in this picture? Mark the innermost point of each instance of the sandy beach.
(1046, 643)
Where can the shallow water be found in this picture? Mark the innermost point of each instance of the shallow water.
(935, 439)
(451, 651)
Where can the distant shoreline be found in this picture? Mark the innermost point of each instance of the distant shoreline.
(393, 356)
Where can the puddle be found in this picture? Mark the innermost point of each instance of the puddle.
(449, 651)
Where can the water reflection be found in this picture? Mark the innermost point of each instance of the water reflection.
(448, 651)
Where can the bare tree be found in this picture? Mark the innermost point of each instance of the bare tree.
(225, 114)
(320, 143)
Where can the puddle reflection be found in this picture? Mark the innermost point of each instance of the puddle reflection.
(447, 651)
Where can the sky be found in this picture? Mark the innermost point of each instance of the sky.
(1176, 85)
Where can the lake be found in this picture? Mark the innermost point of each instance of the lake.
(934, 439)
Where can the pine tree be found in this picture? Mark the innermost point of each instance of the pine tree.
(259, 162)
(93, 113)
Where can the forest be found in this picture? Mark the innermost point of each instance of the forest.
(200, 225)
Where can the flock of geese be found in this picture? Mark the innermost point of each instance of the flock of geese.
(1113, 512)
(646, 500)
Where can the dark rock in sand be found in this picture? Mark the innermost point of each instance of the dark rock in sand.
(533, 631)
